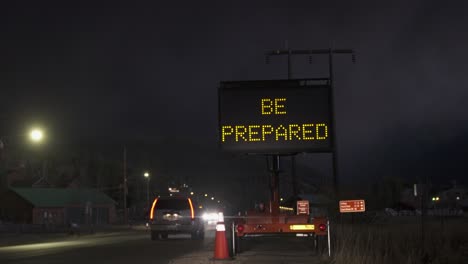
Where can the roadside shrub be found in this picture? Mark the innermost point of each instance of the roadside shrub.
(399, 241)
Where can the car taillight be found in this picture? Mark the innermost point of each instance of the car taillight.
(151, 216)
(240, 228)
(322, 227)
(192, 212)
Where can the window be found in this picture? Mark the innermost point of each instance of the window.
(172, 204)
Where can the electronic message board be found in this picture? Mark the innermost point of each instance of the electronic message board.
(352, 206)
(274, 117)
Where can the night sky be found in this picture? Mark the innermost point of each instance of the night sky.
(120, 71)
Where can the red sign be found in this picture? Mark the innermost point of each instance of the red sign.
(303, 207)
(352, 206)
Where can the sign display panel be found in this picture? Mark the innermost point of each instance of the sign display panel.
(276, 116)
(352, 206)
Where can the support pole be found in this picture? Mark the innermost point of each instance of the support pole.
(147, 194)
(274, 199)
(329, 240)
(293, 156)
(333, 126)
(125, 185)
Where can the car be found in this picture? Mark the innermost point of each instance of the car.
(175, 215)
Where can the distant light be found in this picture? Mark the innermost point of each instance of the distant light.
(173, 190)
(458, 197)
(191, 193)
(437, 198)
(146, 174)
(212, 198)
(286, 208)
(281, 199)
(170, 194)
(200, 207)
(36, 135)
(219, 201)
(206, 195)
(433, 198)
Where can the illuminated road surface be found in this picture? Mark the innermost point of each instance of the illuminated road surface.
(113, 248)
(134, 247)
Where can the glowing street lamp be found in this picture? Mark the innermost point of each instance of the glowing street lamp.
(36, 135)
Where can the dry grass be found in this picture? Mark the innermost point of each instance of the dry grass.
(400, 242)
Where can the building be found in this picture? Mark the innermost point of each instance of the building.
(56, 206)
(455, 197)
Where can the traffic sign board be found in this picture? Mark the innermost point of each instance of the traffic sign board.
(303, 207)
(352, 206)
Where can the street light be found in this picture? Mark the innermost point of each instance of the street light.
(146, 174)
(36, 135)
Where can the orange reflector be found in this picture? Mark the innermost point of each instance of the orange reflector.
(302, 227)
(152, 208)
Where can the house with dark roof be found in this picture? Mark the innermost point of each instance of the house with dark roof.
(56, 206)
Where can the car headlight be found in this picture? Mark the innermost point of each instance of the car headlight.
(211, 217)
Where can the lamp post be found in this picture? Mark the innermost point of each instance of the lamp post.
(146, 174)
(35, 136)
(124, 185)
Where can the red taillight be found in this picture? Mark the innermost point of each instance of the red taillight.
(192, 212)
(322, 227)
(240, 228)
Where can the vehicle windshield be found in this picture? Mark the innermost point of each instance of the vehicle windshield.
(172, 204)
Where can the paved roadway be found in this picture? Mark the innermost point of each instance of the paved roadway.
(116, 248)
(131, 247)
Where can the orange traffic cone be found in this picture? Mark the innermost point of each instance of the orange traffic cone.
(221, 251)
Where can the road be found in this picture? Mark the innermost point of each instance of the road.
(118, 247)
(131, 247)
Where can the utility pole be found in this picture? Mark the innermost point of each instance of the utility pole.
(330, 52)
(125, 185)
(147, 176)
